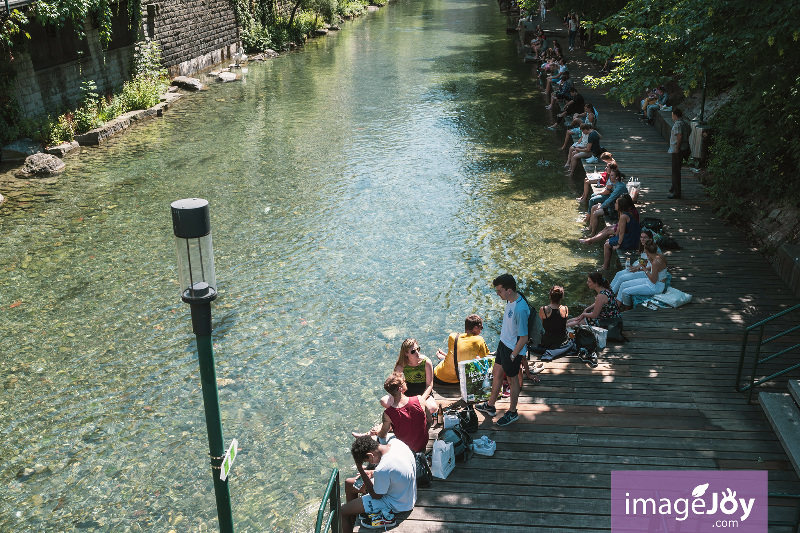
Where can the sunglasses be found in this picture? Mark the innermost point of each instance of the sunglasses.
(414, 350)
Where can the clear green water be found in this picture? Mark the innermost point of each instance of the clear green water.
(364, 190)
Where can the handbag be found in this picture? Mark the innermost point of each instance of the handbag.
(600, 335)
(614, 327)
(424, 475)
(443, 459)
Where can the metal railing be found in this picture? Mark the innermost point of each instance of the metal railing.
(332, 497)
(758, 360)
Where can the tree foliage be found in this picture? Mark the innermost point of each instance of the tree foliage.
(752, 46)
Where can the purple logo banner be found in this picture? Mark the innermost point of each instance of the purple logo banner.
(680, 501)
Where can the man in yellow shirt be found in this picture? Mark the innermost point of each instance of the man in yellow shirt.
(470, 346)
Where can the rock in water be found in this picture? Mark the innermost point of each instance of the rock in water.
(190, 84)
(227, 76)
(41, 165)
(20, 150)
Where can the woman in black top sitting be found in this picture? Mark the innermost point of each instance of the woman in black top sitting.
(554, 320)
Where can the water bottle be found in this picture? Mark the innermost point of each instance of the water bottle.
(627, 263)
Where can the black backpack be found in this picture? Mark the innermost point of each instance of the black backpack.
(534, 326)
(461, 440)
(467, 417)
(424, 474)
(584, 338)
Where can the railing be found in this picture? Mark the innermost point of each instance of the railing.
(332, 497)
(758, 360)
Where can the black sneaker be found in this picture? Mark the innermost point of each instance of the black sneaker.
(593, 361)
(486, 408)
(509, 417)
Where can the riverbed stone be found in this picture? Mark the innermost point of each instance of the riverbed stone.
(20, 150)
(227, 76)
(62, 149)
(190, 84)
(41, 165)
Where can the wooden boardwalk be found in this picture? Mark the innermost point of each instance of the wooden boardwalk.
(665, 400)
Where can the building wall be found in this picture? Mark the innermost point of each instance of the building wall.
(193, 34)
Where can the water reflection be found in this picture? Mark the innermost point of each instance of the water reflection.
(362, 191)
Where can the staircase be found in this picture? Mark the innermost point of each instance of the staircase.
(784, 414)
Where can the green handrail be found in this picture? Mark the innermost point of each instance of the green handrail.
(757, 360)
(332, 497)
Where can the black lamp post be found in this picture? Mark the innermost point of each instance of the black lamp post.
(192, 227)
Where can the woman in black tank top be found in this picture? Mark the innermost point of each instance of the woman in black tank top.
(554, 319)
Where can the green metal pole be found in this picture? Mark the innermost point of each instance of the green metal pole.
(201, 324)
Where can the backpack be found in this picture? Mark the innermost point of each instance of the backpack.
(461, 440)
(535, 328)
(467, 417)
(665, 242)
(584, 338)
(424, 475)
(653, 224)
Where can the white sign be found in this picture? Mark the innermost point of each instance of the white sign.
(227, 460)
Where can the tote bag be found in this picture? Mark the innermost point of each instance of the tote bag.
(443, 460)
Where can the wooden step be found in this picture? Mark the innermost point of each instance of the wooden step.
(784, 415)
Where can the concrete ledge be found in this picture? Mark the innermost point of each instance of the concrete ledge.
(783, 414)
(663, 123)
(788, 266)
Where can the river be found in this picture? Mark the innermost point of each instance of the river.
(363, 190)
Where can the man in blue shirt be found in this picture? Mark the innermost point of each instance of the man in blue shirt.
(510, 349)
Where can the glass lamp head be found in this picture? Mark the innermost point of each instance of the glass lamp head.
(192, 226)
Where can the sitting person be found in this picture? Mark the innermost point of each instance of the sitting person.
(598, 179)
(406, 417)
(418, 372)
(556, 77)
(603, 203)
(662, 102)
(591, 152)
(627, 234)
(390, 488)
(470, 346)
(636, 270)
(652, 283)
(561, 91)
(574, 107)
(604, 306)
(554, 320)
(609, 231)
(589, 116)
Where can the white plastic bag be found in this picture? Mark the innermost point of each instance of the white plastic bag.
(600, 334)
(443, 460)
(451, 421)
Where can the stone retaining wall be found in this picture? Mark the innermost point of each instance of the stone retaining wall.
(193, 34)
(59, 87)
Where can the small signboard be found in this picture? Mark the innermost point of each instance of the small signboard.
(227, 461)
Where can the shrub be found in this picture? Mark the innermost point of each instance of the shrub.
(141, 92)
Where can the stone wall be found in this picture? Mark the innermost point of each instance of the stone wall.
(193, 34)
(42, 90)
